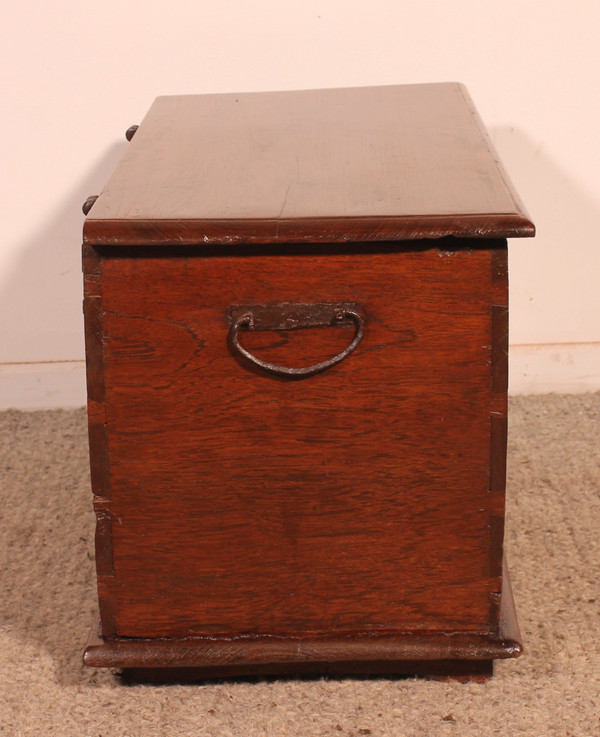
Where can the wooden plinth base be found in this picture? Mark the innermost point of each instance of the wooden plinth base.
(464, 656)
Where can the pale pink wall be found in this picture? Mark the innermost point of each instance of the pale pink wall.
(77, 74)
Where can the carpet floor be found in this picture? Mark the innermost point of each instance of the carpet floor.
(47, 603)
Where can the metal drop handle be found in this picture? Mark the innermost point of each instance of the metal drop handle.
(247, 320)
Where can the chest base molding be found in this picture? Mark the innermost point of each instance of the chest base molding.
(464, 655)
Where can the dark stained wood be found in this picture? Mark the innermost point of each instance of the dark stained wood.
(408, 653)
(218, 652)
(303, 504)
(362, 164)
(347, 522)
(498, 417)
(97, 429)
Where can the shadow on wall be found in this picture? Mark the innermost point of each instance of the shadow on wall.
(554, 292)
(554, 296)
(41, 297)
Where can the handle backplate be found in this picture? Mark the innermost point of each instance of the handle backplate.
(291, 316)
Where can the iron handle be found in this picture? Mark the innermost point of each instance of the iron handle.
(247, 320)
(88, 204)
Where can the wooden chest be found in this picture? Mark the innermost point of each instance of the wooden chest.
(296, 330)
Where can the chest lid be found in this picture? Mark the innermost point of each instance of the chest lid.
(348, 165)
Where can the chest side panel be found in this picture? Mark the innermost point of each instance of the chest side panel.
(356, 500)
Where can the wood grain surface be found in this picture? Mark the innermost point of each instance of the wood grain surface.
(359, 164)
(353, 518)
(458, 655)
(358, 500)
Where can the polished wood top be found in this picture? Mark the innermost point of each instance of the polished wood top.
(358, 164)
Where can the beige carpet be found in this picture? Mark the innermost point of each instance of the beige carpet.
(47, 604)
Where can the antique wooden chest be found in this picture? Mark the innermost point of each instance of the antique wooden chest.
(296, 331)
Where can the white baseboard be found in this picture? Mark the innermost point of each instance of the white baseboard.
(563, 368)
(30, 386)
(571, 368)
